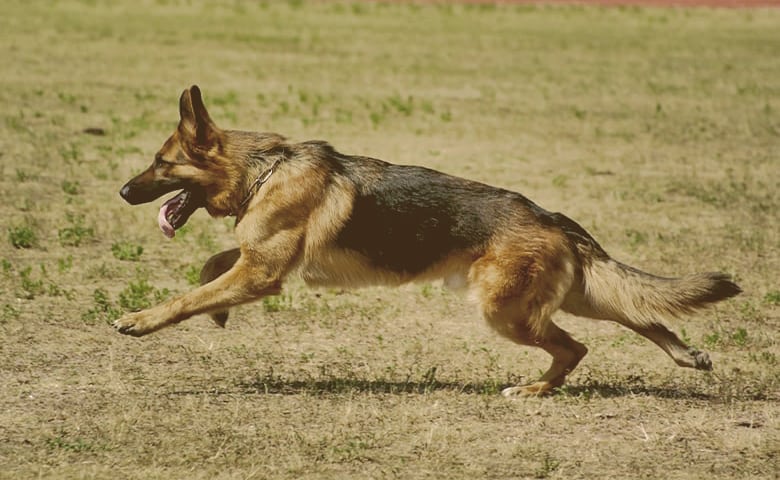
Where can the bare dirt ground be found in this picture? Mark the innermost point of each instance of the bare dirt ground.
(656, 129)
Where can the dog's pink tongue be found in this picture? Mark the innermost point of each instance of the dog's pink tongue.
(163, 222)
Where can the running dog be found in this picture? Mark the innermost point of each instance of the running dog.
(343, 220)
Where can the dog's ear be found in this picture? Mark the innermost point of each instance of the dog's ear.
(196, 124)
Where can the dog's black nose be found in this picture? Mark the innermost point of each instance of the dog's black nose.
(124, 192)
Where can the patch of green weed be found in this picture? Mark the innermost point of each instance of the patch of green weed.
(65, 264)
(560, 181)
(25, 176)
(31, 287)
(127, 251)
(764, 357)
(278, 303)
(22, 236)
(548, 466)
(63, 441)
(8, 312)
(71, 188)
(227, 99)
(723, 337)
(139, 294)
(635, 237)
(70, 153)
(192, 274)
(34, 286)
(772, 298)
(76, 233)
(102, 309)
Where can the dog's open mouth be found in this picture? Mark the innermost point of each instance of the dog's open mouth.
(175, 212)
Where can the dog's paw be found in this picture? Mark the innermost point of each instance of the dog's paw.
(701, 359)
(537, 389)
(135, 324)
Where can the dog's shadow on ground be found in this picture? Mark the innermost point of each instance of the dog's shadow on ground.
(340, 386)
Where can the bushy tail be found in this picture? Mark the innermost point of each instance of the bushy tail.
(613, 291)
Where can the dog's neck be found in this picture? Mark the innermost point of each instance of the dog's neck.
(248, 156)
(256, 184)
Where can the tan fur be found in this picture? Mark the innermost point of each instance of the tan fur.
(532, 265)
(643, 298)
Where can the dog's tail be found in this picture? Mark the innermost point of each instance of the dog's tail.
(614, 291)
(610, 290)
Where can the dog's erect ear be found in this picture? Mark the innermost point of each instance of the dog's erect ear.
(196, 124)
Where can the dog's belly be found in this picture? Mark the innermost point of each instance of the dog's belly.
(345, 268)
(337, 267)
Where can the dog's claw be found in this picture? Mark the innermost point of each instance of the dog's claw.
(126, 330)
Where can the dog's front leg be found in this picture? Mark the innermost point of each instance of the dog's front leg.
(241, 284)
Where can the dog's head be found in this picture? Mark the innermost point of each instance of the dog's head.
(187, 161)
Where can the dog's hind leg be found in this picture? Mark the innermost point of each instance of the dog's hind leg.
(513, 321)
(214, 267)
(518, 295)
(566, 353)
(613, 291)
(682, 354)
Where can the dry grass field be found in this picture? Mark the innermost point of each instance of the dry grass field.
(658, 130)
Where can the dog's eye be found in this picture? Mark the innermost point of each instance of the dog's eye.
(158, 161)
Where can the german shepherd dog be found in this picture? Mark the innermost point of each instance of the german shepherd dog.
(342, 220)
